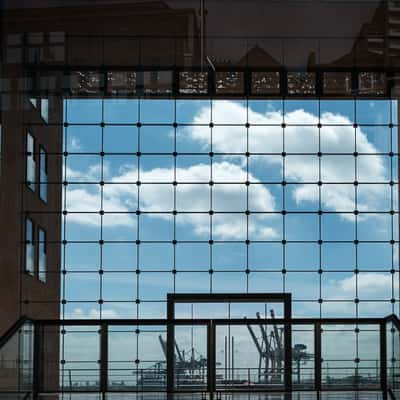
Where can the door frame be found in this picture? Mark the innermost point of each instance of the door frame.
(175, 298)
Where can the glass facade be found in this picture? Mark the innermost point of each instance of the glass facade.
(218, 196)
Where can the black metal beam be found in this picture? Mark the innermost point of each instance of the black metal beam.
(202, 321)
(12, 330)
(103, 358)
(288, 341)
(170, 347)
(229, 297)
(317, 357)
(211, 357)
(383, 357)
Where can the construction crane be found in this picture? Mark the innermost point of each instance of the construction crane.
(270, 348)
(191, 369)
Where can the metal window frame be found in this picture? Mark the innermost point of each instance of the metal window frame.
(176, 298)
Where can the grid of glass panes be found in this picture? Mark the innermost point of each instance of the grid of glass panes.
(229, 196)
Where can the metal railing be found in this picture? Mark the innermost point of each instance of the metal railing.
(82, 356)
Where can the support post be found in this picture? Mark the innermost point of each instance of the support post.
(288, 343)
(383, 357)
(103, 358)
(211, 358)
(317, 357)
(170, 346)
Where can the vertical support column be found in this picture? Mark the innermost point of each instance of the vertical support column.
(211, 357)
(288, 343)
(170, 345)
(211, 81)
(283, 82)
(103, 358)
(383, 356)
(175, 80)
(317, 356)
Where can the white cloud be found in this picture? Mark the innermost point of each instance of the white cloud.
(335, 138)
(75, 144)
(371, 285)
(121, 196)
(93, 313)
(83, 207)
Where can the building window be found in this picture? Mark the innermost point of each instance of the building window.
(29, 248)
(30, 162)
(43, 174)
(42, 255)
(33, 101)
(44, 110)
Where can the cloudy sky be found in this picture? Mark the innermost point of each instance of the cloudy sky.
(229, 197)
(229, 183)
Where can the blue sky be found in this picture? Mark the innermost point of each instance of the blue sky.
(230, 256)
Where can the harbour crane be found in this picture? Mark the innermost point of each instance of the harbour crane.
(270, 347)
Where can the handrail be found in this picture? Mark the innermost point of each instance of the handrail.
(205, 321)
(12, 330)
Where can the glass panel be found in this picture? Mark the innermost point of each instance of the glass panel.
(350, 356)
(30, 162)
(137, 358)
(16, 360)
(44, 109)
(228, 310)
(43, 174)
(79, 358)
(42, 255)
(303, 356)
(190, 358)
(29, 247)
(249, 356)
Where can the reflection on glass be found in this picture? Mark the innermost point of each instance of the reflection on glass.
(42, 246)
(30, 162)
(137, 358)
(43, 174)
(44, 109)
(16, 360)
(350, 356)
(29, 247)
